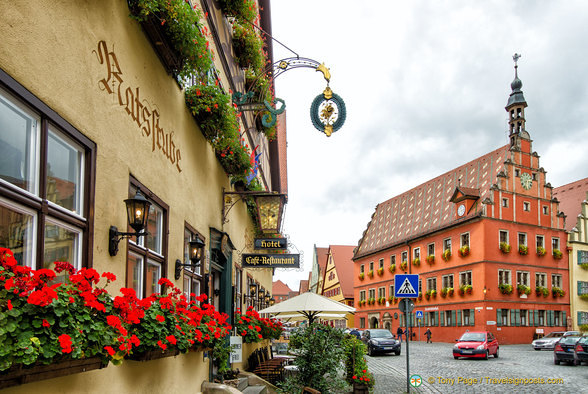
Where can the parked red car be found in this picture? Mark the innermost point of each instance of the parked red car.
(477, 344)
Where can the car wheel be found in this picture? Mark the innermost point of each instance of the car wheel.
(487, 354)
(370, 351)
(496, 354)
(455, 357)
(555, 361)
(397, 352)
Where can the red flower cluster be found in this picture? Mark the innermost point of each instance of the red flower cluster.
(65, 343)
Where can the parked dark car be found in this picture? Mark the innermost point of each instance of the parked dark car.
(549, 340)
(581, 351)
(564, 350)
(476, 344)
(380, 341)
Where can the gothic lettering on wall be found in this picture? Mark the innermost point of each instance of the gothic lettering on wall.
(145, 115)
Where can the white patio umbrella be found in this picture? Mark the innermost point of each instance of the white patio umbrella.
(308, 306)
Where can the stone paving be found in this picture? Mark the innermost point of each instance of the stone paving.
(441, 373)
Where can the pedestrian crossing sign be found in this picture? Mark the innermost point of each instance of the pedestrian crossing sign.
(406, 286)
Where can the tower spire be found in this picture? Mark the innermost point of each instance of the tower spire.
(516, 105)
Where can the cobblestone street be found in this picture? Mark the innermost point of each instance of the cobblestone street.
(441, 373)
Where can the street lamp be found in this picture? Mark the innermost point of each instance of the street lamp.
(137, 215)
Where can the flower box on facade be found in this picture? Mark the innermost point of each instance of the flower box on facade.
(20, 374)
(153, 354)
(360, 388)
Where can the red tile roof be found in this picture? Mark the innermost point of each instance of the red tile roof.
(427, 207)
(570, 198)
(280, 288)
(321, 254)
(342, 255)
(303, 286)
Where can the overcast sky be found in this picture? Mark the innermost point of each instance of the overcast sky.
(425, 85)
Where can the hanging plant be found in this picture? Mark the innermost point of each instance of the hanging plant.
(243, 10)
(504, 247)
(557, 254)
(248, 47)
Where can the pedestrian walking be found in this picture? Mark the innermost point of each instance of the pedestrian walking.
(399, 333)
(428, 333)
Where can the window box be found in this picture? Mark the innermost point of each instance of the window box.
(464, 251)
(361, 276)
(447, 291)
(381, 300)
(446, 254)
(541, 251)
(20, 374)
(404, 265)
(523, 250)
(557, 254)
(431, 259)
(416, 262)
(392, 268)
(523, 289)
(504, 247)
(153, 354)
(505, 288)
(380, 271)
(541, 291)
(465, 289)
(430, 293)
(371, 273)
(557, 292)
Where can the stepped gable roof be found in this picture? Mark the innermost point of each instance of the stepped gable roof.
(427, 207)
(342, 255)
(279, 287)
(570, 198)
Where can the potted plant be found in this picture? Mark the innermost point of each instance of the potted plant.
(392, 268)
(504, 247)
(371, 301)
(431, 259)
(464, 250)
(382, 300)
(505, 288)
(403, 265)
(557, 254)
(420, 295)
(363, 382)
(541, 291)
(381, 271)
(361, 276)
(523, 250)
(416, 261)
(248, 47)
(584, 266)
(446, 254)
(541, 251)
(450, 291)
(523, 289)
(444, 292)
(584, 297)
(391, 299)
(465, 289)
(557, 292)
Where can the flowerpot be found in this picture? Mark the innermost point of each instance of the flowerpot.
(360, 388)
(20, 374)
(153, 354)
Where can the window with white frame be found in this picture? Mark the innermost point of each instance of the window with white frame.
(147, 256)
(555, 243)
(381, 264)
(381, 292)
(391, 291)
(505, 202)
(193, 274)
(523, 317)
(447, 280)
(504, 317)
(541, 315)
(393, 259)
(557, 318)
(465, 317)
(582, 287)
(582, 318)
(540, 241)
(371, 265)
(526, 206)
(545, 210)
(503, 236)
(416, 253)
(362, 295)
(448, 318)
(362, 269)
(540, 279)
(523, 239)
(431, 284)
(447, 244)
(504, 277)
(420, 286)
(465, 278)
(431, 250)
(45, 170)
(372, 293)
(465, 239)
(523, 278)
(556, 280)
(404, 256)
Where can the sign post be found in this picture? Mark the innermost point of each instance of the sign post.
(406, 286)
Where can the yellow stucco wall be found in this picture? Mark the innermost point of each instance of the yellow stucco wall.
(52, 49)
(578, 241)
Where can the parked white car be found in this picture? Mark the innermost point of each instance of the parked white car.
(550, 340)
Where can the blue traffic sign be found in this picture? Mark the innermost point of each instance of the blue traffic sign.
(419, 314)
(406, 285)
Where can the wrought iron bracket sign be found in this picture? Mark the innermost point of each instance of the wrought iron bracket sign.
(270, 261)
(271, 243)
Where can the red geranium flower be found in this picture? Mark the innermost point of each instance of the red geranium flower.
(162, 345)
(110, 350)
(65, 343)
(160, 318)
(46, 323)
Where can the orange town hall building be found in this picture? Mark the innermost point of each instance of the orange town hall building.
(486, 239)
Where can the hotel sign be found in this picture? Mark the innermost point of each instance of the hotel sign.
(271, 243)
(271, 261)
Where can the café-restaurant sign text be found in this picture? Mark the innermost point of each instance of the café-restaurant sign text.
(271, 261)
(270, 243)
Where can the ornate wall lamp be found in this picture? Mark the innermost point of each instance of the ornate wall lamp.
(252, 292)
(195, 253)
(137, 215)
(269, 207)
